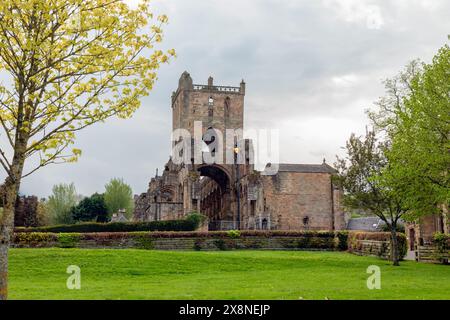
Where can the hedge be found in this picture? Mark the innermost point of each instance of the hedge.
(223, 240)
(442, 243)
(190, 223)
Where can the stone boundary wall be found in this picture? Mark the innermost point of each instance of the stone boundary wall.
(170, 241)
(381, 249)
(360, 243)
(375, 244)
(431, 254)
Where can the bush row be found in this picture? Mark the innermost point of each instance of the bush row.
(193, 240)
(442, 243)
(190, 223)
(341, 240)
(222, 239)
(35, 236)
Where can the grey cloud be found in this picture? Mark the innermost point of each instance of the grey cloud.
(311, 68)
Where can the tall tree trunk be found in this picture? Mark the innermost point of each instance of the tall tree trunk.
(12, 185)
(6, 233)
(394, 246)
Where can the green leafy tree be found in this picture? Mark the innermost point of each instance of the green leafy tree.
(69, 64)
(415, 115)
(91, 208)
(119, 195)
(361, 175)
(43, 218)
(60, 203)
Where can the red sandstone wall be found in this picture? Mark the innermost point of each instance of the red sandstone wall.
(293, 196)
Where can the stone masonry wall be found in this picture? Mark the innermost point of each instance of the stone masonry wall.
(299, 200)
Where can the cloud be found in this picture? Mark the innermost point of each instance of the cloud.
(311, 68)
(357, 11)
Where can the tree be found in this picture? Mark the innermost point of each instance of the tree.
(119, 195)
(69, 64)
(60, 203)
(416, 119)
(92, 208)
(43, 218)
(361, 175)
(26, 211)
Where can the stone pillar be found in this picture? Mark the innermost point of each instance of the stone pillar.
(446, 218)
(338, 210)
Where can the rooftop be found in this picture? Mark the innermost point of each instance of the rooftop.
(306, 168)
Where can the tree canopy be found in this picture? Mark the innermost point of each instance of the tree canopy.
(416, 119)
(91, 208)
(60, 203)
(119, 195)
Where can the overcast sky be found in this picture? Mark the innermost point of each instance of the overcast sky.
(311, 68)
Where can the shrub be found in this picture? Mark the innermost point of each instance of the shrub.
(342, 240)
(198, 244)
(34, 237)
(233, 234)
(188, 224)
(196, 219)
(68, 240)
(442, 242)
(402, 245)
(220, 244)
(144, 242)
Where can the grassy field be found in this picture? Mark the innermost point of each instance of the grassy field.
(140, 274)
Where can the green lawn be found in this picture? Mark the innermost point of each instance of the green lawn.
(140, 274)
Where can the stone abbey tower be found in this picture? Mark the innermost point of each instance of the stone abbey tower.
(232, 194)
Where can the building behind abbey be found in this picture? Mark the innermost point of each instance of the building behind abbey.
(236, 196)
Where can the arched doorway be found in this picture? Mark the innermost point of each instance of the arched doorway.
(215, 196)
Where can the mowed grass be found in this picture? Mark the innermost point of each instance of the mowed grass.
(141, 274)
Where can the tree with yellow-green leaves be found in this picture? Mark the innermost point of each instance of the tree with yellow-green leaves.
(68, 64)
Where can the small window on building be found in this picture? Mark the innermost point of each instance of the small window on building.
(306, 221)
(264, 224)
(210, 107)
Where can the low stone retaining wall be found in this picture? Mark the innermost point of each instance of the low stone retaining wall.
(381, 249)
(432, 254)
(181, 241)
(375, 244)
(360, 243)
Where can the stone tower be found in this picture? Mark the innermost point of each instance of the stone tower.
(218, 107)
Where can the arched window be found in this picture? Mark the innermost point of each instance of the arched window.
(210, 106)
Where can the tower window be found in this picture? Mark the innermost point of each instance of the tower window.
(210, 107)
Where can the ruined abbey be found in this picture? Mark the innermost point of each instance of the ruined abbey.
(234, 195)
